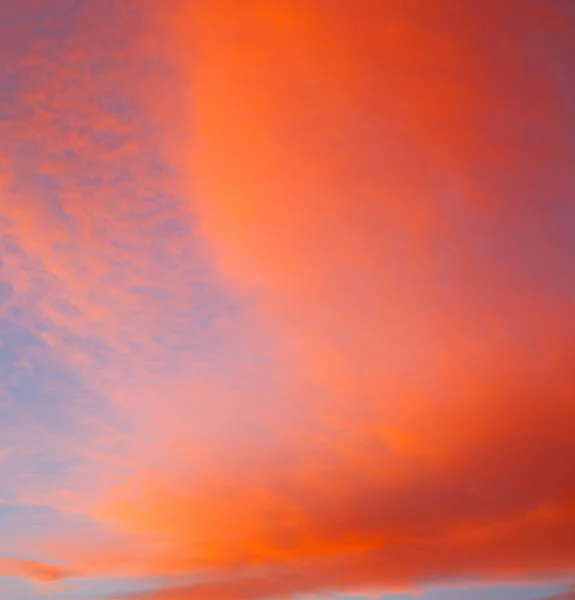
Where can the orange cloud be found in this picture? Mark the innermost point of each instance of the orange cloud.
(377, 181)
(385, 190)
(36, 571)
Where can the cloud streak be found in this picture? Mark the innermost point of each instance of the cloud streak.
(35, 571)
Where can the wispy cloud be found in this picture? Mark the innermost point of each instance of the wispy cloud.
(34, 570)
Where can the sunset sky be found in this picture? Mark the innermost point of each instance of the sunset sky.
(287, 299)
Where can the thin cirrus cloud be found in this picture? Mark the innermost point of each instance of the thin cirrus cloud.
(295, 280)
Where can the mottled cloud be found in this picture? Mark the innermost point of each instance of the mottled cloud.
(101, 271)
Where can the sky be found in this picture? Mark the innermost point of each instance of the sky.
(287, 299)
